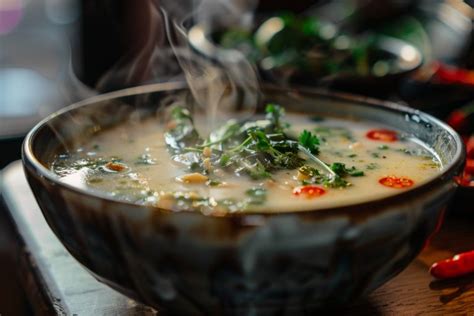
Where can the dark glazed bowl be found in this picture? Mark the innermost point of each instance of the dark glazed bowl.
(187, 263)
(406, 56)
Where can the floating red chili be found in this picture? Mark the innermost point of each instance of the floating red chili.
(396, 182)
(456, 266)
(309, 191)
(383, 135)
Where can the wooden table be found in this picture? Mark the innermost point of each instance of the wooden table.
(57, 284)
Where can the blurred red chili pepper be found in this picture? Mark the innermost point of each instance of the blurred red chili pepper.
(470, 147)
(467, 177)
(462, 119)
(456, 266)
(469, 166)
(453, 75)
(462, 180)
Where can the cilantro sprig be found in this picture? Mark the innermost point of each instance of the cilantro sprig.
(309, 141)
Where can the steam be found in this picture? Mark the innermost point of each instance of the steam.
(72, 88)
(136, 67)
(222, 81)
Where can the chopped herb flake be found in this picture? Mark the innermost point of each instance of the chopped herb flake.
(256, 196)
(213, 183)
(341, 170)
(372, 166)
(145, 159)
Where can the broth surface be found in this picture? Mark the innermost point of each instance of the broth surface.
(146, 174)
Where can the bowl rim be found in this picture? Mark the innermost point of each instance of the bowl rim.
(29, 160)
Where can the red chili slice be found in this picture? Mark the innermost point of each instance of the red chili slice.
(456, 266)
(114, 166)
(384, 135)
(396, 182)
(309, 191)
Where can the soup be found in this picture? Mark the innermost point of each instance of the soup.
(275, 163)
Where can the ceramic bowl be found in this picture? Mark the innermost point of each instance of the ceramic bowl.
(404, 55)
(187, 263)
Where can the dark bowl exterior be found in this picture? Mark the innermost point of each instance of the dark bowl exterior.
(190, 264)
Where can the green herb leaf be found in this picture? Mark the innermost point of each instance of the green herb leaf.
(183, 135)
(372, 166)
(224, 160)
(289, 160)
(180, 113)
(213, 183)
(260, 139)
(274, 115)
(258, 171)
(375, 154)
(309, 141)
(335, 183)
(341, 170)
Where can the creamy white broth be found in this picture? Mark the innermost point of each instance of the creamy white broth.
(152, 178)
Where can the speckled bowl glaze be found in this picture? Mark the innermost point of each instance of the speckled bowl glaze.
(187, 263)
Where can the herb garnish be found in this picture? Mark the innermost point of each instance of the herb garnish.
(255, 148)
(315, 177)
